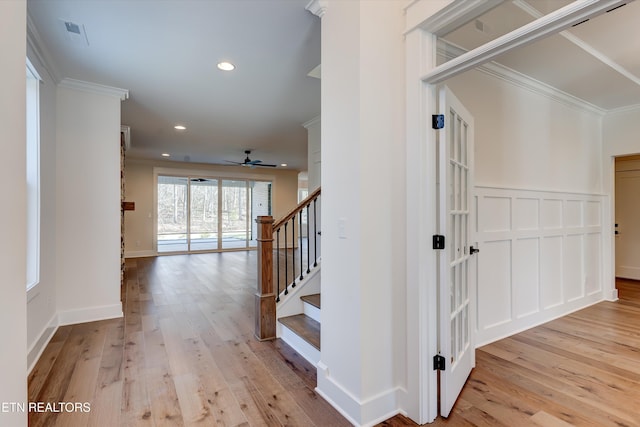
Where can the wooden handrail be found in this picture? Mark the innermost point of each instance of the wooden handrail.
(297, 209)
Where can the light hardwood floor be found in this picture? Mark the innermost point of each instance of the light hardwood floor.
(184, 354)
(580, 370)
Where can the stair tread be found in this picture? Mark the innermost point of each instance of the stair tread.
(305, 327)
(313, 299)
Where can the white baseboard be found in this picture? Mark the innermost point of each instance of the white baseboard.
(363, 413)
(626, 272)
(90, 314)
(140, 254)
(41, 343)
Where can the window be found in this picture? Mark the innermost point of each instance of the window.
(33, 176)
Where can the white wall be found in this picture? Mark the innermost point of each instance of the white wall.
(540, 205)
(362, 367)
(525, 140)
(88, 205)
(41, 307)
(13, 327)
(314, 153)
(140, 188)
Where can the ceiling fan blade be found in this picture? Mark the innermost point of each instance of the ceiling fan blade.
(235, 163)
(265, 165)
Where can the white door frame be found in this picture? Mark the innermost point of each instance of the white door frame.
(424, 20)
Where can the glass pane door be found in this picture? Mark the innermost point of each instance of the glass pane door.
(172, 214)
(234, 214)
(203, 214)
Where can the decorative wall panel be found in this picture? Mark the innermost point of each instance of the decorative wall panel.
(541, 257)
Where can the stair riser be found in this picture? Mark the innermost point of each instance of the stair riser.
(306, 350)
(313, 312)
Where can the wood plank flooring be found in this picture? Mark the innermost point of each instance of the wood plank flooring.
(579, 370)
(184, 355)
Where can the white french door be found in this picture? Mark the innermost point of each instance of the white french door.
(456, 267)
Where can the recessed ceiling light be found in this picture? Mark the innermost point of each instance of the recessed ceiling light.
(226, 66)
(179, 127)
(284, 165)
(166, 155)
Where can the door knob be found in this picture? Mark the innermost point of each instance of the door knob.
(473, 250)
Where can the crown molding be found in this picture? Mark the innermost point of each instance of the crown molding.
(317, 7)
(535, 13)
(624, 110)
(516, 78)
(451, 16)
(34, 41)
(552, 23)
(94, 88)
(126, 130)
(312, 121)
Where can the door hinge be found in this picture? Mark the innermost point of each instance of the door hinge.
(438, 241)
(437, 121)
(438, 363)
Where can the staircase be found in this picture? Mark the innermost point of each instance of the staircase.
(302, 331)
(288, 297)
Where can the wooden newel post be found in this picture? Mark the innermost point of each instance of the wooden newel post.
(265, 297)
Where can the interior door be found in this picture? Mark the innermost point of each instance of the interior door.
(456, 301)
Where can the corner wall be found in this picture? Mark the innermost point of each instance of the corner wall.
(362, 369)
(88, 205)
(13, 228)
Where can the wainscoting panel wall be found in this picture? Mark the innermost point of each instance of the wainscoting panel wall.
(541, 257)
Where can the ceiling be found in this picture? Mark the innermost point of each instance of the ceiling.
(166, 54)
(597, 62)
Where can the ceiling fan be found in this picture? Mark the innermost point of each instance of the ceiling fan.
(251, 163)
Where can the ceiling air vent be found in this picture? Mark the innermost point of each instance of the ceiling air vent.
(72, 27)
(75, 33)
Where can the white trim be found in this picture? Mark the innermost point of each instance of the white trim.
(317, 7)
(628, 109)
(371, 410)
(42, 55)
(537, 190)
(552, 23)
(312, 121)
(38, 347)
(94, 88)
(581, 44)
(140, 254)
(627, 272)
(90, 314)
(450, 17)
(420, 400)
(127, 136)
(521, 80)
